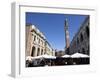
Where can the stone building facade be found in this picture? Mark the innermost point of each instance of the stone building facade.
(49, 50)
(28, 39)
(36, 43)
(80, 42)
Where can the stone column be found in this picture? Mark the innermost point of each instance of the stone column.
(40, 51)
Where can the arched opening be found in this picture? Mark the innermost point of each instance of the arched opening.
(38, 51)
(77, 41)
(33, 51)
(83, 50)
(87, 31)
(81, 37)
(42, 52)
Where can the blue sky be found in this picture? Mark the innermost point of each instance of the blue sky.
(52, 25)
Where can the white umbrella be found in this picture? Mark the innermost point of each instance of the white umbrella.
(78, 55)
(66, 56)
(37, 57)
(48, 56)
(41, 56)
(29, 58)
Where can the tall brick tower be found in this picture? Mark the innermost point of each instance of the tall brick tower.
(67, 41)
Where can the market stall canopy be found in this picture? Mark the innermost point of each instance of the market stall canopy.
(79, 55)
(65, 56)
(41, 56)
(48, 56)
(37, 57)
(32, 58)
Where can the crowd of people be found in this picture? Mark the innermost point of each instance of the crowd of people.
(56, 62)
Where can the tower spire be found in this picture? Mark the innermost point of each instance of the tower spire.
(66, 37)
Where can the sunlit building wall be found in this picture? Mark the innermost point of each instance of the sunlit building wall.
(80, 42)
(36, 43)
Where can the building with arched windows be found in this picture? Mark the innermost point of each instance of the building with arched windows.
(80, 42)
(36, 43)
